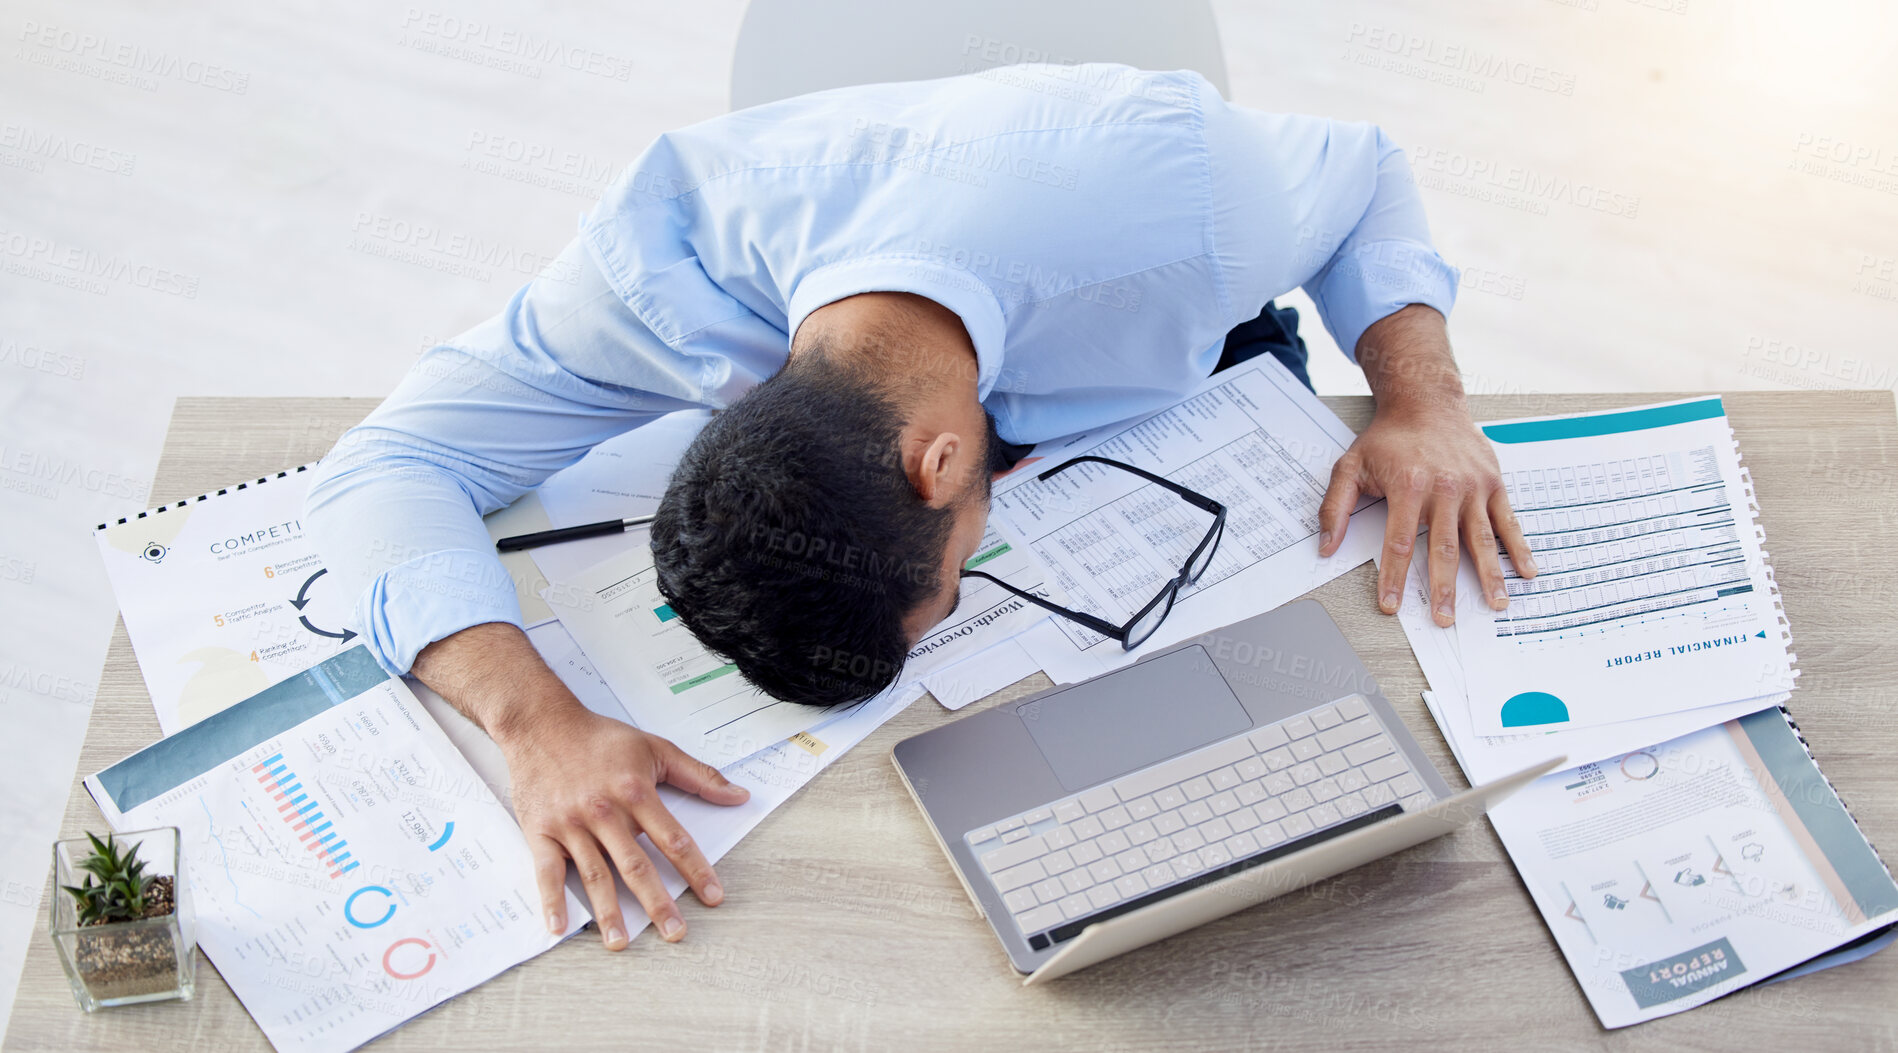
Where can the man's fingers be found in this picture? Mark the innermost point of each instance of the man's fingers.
(1504, 519)
(1400, 537)
(677, 845)
(1481, 539)
(1444, 552)
(641, 876)
(694, 776)
(550, 873)
(598, 879)
(1334, 513)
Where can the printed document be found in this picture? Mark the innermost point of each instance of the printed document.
(1653, 595)
(223, 595)
(1678, 873)
(348, 868)
(1251, 437)
(669, 683)
(1484, 758)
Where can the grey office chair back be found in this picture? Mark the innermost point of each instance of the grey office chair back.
(790, 47)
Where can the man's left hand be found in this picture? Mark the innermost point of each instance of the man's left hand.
(1425, 457)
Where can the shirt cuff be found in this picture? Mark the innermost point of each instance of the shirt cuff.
(1369, 281)
(431, 597)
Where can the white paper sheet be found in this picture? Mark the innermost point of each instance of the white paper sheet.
(1487, 757)
(348, 868)
(669, 684)
(223, 595)
(1675, 874)
(623, 476)
(980, 675)
(1654, 594)
(1251, 437)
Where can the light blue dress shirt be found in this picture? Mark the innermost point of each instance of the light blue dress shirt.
(1098, 229)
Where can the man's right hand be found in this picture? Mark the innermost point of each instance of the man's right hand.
(584, 786)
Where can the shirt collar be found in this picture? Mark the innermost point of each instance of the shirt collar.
(965, 294)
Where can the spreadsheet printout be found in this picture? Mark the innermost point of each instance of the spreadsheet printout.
(1654, 594)
(1251, 437)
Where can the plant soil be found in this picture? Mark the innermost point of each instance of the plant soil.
(128, 962)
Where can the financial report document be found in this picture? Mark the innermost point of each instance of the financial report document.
(1251, 437)
(348, 868)
(1654, 594)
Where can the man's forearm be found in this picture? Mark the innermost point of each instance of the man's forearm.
(1407, 360)
(493, 675)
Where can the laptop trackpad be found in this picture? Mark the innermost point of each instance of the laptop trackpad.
(1134, 717)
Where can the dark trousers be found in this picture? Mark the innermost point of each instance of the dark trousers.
(1275, 333)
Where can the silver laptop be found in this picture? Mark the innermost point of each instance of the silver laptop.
(1095, 818)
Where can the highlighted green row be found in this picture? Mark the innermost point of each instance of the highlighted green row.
(983, 557)
(703, 678)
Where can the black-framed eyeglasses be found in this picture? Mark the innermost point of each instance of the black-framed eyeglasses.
(1138, 628)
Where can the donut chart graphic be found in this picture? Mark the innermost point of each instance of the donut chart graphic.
(405, 941)
(1640, 766)
(349, 907)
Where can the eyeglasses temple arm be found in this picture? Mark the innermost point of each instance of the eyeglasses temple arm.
(1103, 627)
(1198, 499)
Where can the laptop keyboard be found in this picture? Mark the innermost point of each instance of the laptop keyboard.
(1182, 822)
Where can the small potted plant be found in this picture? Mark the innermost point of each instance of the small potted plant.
(121, 919)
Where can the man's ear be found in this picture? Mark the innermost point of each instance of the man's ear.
(932, 468)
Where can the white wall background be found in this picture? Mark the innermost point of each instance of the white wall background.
(1651, 195)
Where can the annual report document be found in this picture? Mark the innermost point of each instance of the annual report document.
(349, 869)
(1251, 437)
(1654, 593)
(1677, 873)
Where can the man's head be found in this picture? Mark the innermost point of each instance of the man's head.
(813, 531)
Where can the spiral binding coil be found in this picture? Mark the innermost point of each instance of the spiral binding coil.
(206, 496)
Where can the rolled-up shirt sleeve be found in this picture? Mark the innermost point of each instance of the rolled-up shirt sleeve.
(1327, 205)
(396, 507)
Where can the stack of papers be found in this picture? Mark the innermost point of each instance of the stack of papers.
(1655, 612)
(242, 640)
(1252, 437)
(1695, 848)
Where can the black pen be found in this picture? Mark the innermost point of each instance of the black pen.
(572, 533)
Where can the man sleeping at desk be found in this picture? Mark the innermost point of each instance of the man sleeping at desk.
(883, 289)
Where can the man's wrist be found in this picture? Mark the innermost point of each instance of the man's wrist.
(1408, 363)
(493, 675)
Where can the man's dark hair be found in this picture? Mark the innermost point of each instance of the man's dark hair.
(790, 540)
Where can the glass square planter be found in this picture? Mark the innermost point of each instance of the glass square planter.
(126, 962)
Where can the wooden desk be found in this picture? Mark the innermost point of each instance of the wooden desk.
(845, 928)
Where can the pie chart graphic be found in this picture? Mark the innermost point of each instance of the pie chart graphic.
(1640, 766)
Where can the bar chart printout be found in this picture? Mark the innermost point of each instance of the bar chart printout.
(348, 868)
(1653, 595)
